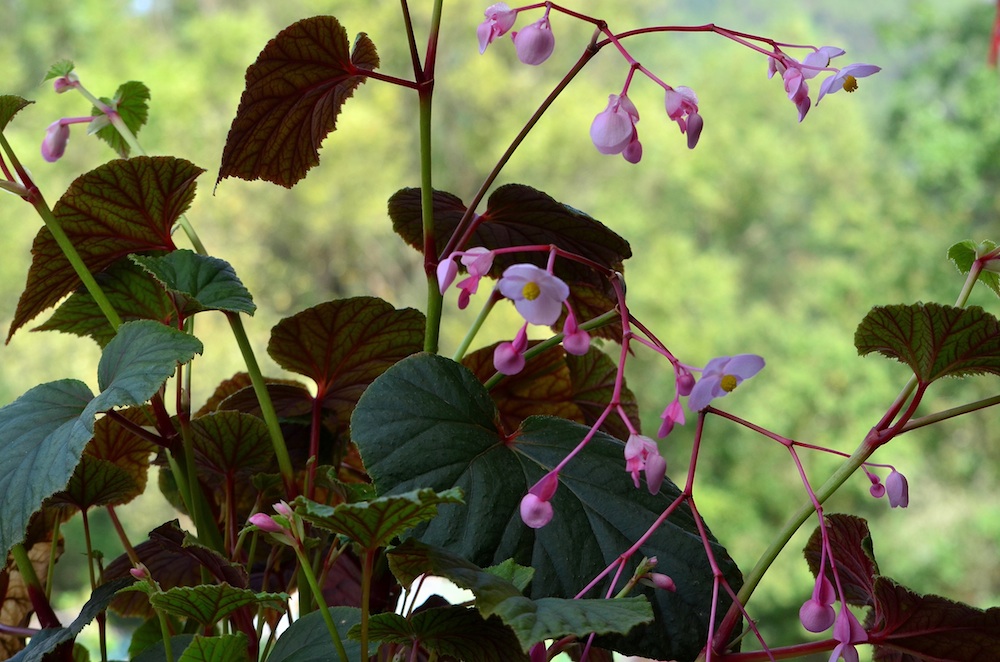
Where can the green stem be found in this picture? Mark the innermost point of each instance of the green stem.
(307, 572)
(36, 592)
(367, 563)
(266, 406)
(434, 298)
(474, 329)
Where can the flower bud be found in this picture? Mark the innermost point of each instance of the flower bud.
(897, 489)
(54, 144)
(534, 43)
(535, 512)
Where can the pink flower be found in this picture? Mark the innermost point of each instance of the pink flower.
(846, 79)
(508, 357)
(797, 89)
(817, 613)
(660, 581)
(54, 144)
(897, 489)
(478, 261)
(642, 454)
(877, 489)
(819, 59)
(575, 341)
(447, 270)
(535, 512)
(684, 380)
(499, 20)
(534, 43)
(613, 129)
(65, 83)
(537, 294)
(265, 522)
(672, 415)
(848, 631)
(721, 376)
(682, 107)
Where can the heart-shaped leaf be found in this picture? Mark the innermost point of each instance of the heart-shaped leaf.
(964, 253)
(9, 106)
(375, 523)
(131, 102)
(934, 340)
(853, 555)
(199, 282)
(531, 620)
(343, 345)
(46, 641)
(308, 640)
(400, 426)
(122, 207)
(210, 603)
(131, 291)
(294, 92)
(452, 632)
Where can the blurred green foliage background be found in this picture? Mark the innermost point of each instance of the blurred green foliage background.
(771, 237)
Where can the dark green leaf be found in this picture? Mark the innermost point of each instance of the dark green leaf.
(965, 253)
(210, 603)
(199, 282)
(531, 620)
(9, 106)
(157, 653)
(375, 523)
(131, 102)
(308, 640)
(131, 291)
(852, 553)
(294, 92)
(934, 340)
(47, 640)
(518, 575)
(230, 443)
(908, 625)
(122, 207)
(224, 648)
(455, 632)
(42, 435)
(343, 345)
(399, 426)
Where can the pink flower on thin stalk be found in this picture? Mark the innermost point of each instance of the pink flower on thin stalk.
(499, 20)
(721, 376)
(642, 454)
(535, 509)
(817, 613)
(846, 79)
(613, 129)
(534, 43)
(897, 489)
(537, 294)
(672, 415)
(575, 341)
(682, 107)
(508, 357)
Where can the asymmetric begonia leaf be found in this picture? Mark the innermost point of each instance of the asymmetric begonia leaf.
(9, 106)
(428, 422)
(932, 339)
(222, 648)
(556, 384)
(908, 626)
(964, 253)
(131, 291)
(375, 523)
(308, 640)
(210, 603)
(199, 282)
(230, 443)
(43, 434)
(131, 102)
(46, 641)
(294, 92)
(532, 620)
(853, 554)
(452, 632)
(122, 207)
(343, 345)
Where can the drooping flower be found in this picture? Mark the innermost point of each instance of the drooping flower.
(797, 89)
(672, 415)
(848, 632)
(721, 376)
(682, 107)
(499, 20)
(537, 294)
(65, 83)
(817, 613)
(642, 454)
(684, 380)
(877, 489)
(819, 59)
(447, 270)
(897, 489)
(534, 43)
(575, 341)
(846, 79)
(508, 357)
(613, 129)
(54, 143)
(478, 261)
(535, 512)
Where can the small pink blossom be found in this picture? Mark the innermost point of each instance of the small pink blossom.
(819, 59)
(54, 144)
(642, 454)
(140, 572)
(535, 512)
(266, 523)
(499, 20)
(817, 613)
(575, 341)
(721, 376)
(282, 508)
(660, 581)
(846, 79)
(684, 381)
(797, 89)
(447, 270)
(613, 129)
(897, 489)
(672, 415)
(848, 632)
(534, 43)
(65, 83)
(508, 357)
(682, 107)
(537, 294)
(877, 489)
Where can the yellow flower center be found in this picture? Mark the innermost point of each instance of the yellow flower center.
(850, 83)
(531, 290)
(728, 383)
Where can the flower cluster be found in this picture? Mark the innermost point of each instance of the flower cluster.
(895, 487)
(534, 43)
(794, 75)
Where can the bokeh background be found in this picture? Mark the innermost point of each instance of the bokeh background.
(771, 237)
